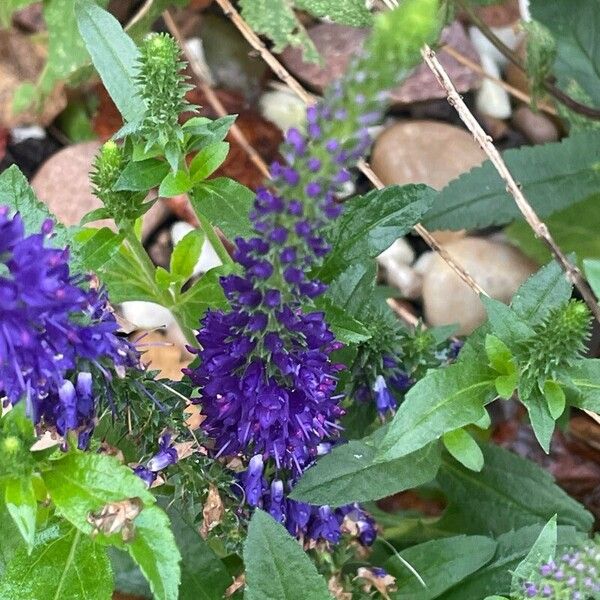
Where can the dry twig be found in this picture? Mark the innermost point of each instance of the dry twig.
(485, 141)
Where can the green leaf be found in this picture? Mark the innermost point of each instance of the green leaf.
(539, 415)
(11, 539)
(543, 550)
(585, 376)
(444, 400)
(578, 54)
(352, 289)
(347, 329)
(543, 291)
(142, 175)
(440, 563)
(555, 396)
(371, 223)
(225, 203)
(95, 215)
(348, 12)
(204, 294)
(276, 20)
(495, 577)
(21, 504)
(552, 177)
(203, 574)
(64, 564)
(114, 55)
(276, 566)
(97, 246)
(82, 482)
(16, 193)
(507, 384)
(206, 131)
(350, 474)
(499, 355)
(186, 253)
(592, 272)
(573, 229)
(125, 279)
(505, 323)
(509, 492)
(208, 160)
(175, 184)
(154, 549)
(464, 449)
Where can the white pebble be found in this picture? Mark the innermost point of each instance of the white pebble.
(284, 109)
(491, 99)
(146, 315)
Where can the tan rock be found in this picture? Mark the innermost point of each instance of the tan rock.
(536, 126)
(498, 268)
(427, 152)
(63, 183)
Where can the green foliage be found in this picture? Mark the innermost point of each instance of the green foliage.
(64, 564)
(276, 566)
(573, 229)
(349, 12)
(520, 492)
(16, 437)
(464, 449)
(541, 52)
(592, 272)
(350, 473)
(552, 177)
(21, 503)
(444, 400)
(578, 54)
(276, 20)
(440, 563)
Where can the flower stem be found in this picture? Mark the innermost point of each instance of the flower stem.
(214, 239)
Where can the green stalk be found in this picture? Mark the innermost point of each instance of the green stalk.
(214, 239)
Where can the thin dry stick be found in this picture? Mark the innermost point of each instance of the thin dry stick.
(539, 228)
(212, 98)
(461, 58)
(258, 45)
(285, 76)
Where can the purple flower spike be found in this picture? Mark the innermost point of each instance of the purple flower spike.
(383, 398)
(166, 455)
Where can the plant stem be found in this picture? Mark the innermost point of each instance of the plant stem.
(214, 239)
(162, 297)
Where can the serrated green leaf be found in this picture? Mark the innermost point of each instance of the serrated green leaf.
(578, 54)
(97, 246)
(208, 160)
(142, 175)
(440, 563)
(464, 449)
(544, 290)
(505, 323)
(371, 223)
(82, 482)
(225, 203)
(350, 474)
(499, 355)
(16, 193)
(186, 253)
(114, 56)
(175, 184)
(520, 492)
(543, 550)
(495, 577)
(276, 20)
(21, 504)
(552, 177)
(205, 131)
(276, 565)
(348, 12)
(585, 376)
(539, 416)
(154, 549)
(444, 400)
(574, 229)
(64, 564)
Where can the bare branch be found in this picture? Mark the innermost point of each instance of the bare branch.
(485, 141)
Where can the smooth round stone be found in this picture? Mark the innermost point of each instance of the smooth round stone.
(498, 268)
(337, 44)
(427, 152)
(63, 183)
(284, 109)
(535, 126)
